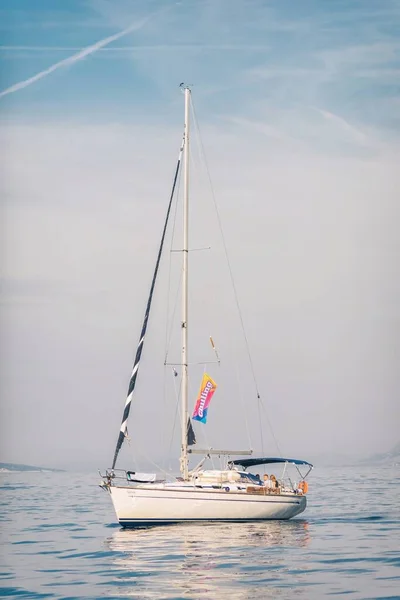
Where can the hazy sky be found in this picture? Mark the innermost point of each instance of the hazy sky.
(298, 105)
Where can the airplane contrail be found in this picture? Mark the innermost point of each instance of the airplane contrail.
(73, 59)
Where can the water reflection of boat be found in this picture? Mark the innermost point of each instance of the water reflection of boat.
(189, 565)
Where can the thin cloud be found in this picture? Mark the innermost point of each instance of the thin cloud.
(329, 116)
(74, 58)
(263, 128)
(127, 48)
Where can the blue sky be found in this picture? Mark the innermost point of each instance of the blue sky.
(298, 105)
(245, 57)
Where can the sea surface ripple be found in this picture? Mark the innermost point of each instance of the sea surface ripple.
(60, 539)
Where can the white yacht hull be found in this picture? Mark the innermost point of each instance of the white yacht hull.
(136, 506)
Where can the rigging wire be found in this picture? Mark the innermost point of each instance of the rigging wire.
(201, 154)
(132, 382)
(259, 401)
(168, 334)
(140, 453)
(246, 422)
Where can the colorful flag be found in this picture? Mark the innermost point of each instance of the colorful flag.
(207, 389)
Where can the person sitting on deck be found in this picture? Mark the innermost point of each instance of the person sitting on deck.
(267, 482)
(275, 484)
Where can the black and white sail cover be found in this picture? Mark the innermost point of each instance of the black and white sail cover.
(123, 429)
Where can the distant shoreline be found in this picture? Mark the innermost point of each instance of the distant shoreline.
(19, 468)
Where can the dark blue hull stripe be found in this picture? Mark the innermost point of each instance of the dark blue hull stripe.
(133, 522)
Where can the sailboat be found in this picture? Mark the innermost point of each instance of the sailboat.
(230, 494)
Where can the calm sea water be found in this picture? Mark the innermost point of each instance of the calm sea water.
(60, 540)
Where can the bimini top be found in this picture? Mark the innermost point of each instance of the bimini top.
(252, 462)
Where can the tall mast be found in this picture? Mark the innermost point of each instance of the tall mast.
(184, 425)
